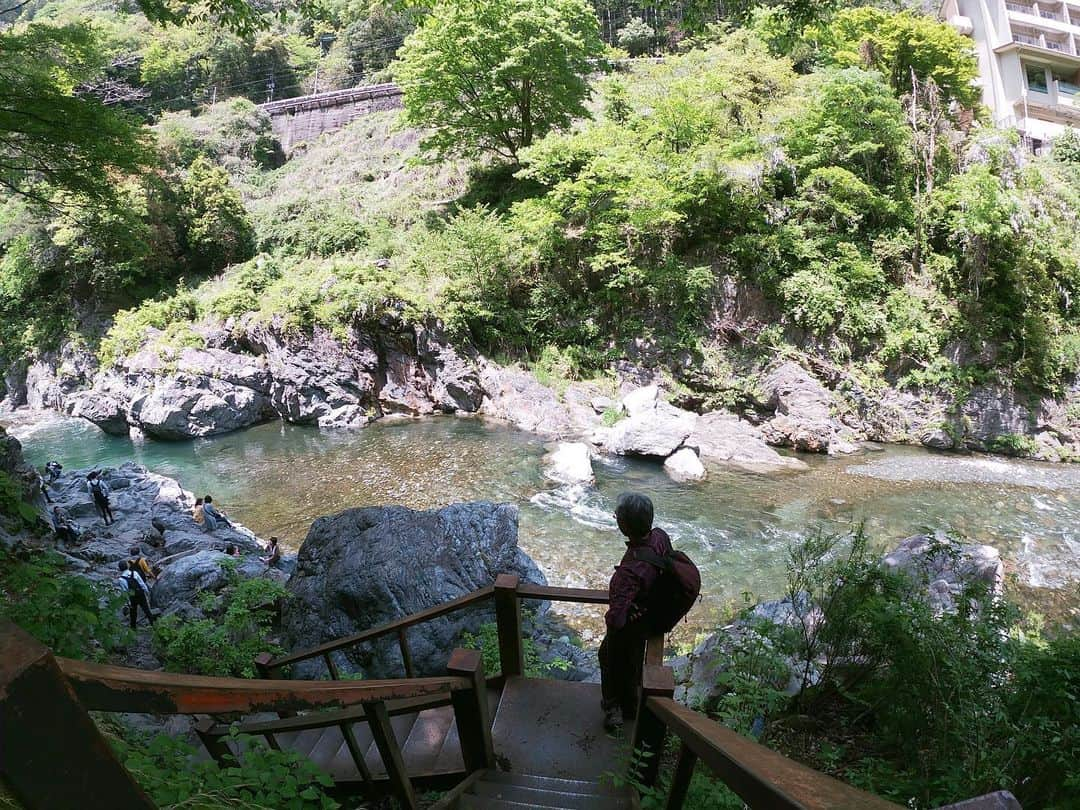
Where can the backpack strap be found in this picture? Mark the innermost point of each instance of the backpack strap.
(647, 555)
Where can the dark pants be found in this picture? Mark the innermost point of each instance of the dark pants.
(622, 654)
(137, 599)
(102, 504)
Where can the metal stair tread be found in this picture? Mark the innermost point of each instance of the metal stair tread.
(472, 802)
(426, 738)
(342, 767)
(524, 794)
(553, 783)
(402, 725)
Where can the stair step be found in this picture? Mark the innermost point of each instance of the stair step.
(471, 802)
(421, 749)
(401, 724)
(536, 797)
(553, 783)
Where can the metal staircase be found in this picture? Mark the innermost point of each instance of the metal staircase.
(497, 790)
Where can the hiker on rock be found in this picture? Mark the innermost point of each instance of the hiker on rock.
(212, 516)
(99, 491)
(63, 526)
(137, 591)
(273, 553)
(652, 588)
(142, 565)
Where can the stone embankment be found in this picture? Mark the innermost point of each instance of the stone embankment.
(251, 371)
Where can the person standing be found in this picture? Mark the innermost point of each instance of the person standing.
(622, 652)
(137, 591)
(99, 491)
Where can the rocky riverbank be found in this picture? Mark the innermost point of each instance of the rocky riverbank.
(248, 371)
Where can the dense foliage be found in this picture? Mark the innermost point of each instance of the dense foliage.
(921, 707)
(71, 615)
(237, 628)
(175, 776)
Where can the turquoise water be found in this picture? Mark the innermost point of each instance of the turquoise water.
(276, 478)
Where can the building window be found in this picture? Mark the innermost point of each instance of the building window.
(1036, 78)
(1067, 83)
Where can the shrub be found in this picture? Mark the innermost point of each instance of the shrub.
(486, 639)
(130, 327)
(74, 617)
(175, 776)
(228, 643)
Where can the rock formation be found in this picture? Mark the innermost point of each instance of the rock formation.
(363, 567)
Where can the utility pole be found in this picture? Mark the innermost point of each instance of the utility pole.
(213, 96)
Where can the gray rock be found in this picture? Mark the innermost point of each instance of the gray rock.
(517, 397)
(364, 567)
(803, 405)
(684, 465)
(992, 411)
(187, 577)
(937, 439)
(569, 463)
(103, 410)
(183, 406)
(725, 439)
(657, 432)
(946, 567)
(641, 400)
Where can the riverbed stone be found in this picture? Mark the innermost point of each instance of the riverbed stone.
(724, 438)
(946, 567)
(363, 567)
(684, 465)
(937, 438)
(185, 406)
(515, 395)
(569, 463)
(641, 400)
(657, 432)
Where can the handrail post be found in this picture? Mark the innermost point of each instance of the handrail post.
(508, 618)
(213, 743)
(53, 755)
(383, 732)
(649, 730)
(680, 782)
(267, 671)
(471, 710)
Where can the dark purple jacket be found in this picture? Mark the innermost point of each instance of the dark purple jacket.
(633, 578)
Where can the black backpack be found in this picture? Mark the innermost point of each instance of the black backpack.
(674, 592)
(95, 487)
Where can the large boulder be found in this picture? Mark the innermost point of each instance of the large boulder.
(658, 431)
(945, 567)
(363, 567)
(184, 406)
(723, 438)
(517, 397)
(104, 410)
(684, 465)
(803, 413)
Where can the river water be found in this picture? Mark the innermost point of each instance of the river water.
(276, 478)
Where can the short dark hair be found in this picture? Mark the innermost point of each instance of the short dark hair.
(122, 565)
(230, 549)
(635, 513)
(208, 499)
(134, 550)
(198, 501)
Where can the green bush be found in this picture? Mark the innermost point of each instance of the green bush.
(486, 639)
(174, 775)
(74, 617)
(226, 643)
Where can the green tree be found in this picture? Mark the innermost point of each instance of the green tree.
(51, 135)
(217, 227)
(493, 75)
(1067, 147)
(899, 44)
(636, 36)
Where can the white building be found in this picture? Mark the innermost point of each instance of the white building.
(1029, 61)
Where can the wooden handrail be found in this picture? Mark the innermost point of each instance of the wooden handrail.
(385, 629)
(552, 593)
(524, 591)
(325, 719)
(118, 689)
(760, 776)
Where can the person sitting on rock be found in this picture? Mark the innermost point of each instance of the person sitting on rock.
(137, 591)
(198, 514)
(232, 550)
(273, 553)
(212, 516)
(142, 565)
(99, 491)
(622, 652)
(66, 530)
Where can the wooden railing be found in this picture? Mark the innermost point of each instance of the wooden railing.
(761, 777)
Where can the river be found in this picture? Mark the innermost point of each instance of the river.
(276, 478)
